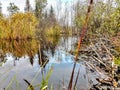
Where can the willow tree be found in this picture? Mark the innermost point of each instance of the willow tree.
(23, 25)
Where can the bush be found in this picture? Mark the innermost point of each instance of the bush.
(53, 31)
(18, 26)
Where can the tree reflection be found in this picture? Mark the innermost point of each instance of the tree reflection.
(19, 48)
(47, 44)
(30, 48)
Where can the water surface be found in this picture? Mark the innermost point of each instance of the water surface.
(24, 59)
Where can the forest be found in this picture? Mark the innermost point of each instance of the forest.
(86, 30)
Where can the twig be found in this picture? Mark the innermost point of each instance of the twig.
(96, 51)
(106, 48)
(93, 67)
(101, 62)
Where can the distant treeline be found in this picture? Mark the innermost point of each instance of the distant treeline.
(104, 19)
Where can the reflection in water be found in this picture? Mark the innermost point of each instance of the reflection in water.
(30, 48)
(19, 48)
(42, 57)
(26, 57)
(47, 44)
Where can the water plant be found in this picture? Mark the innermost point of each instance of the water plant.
(84, 29)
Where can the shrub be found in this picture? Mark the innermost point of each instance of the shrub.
(19, 25)
(53, 31)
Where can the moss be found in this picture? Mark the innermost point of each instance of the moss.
(117, 61)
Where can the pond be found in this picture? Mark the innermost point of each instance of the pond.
(32, 60)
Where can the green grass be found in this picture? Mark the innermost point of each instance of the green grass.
(43, 85)
(117, 61)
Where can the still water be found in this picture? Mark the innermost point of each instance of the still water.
(32, 60)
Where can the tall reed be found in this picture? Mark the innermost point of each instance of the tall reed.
(84, 30)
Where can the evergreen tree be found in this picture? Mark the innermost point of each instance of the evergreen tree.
(51, 11)
(12, 8)
(0, 9)
(39, 7)
(46, 14)
(28, 6)
(52, 16)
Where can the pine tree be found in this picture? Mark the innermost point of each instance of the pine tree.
(28, 6)
(51, 11)
(39, 7)
(12, 8)
(0, 9)
(52, 17)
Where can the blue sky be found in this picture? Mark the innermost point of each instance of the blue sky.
(21, 4)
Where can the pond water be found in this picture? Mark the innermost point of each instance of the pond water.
(32, 60)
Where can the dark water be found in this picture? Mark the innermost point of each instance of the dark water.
(24, 59)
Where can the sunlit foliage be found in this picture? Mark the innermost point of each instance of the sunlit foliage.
(4, 27)
(52, 31)
(105, 17)
(18, 26)
(112, 24)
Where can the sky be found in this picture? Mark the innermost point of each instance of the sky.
(21, 4)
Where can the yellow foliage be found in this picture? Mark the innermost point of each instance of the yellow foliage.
(19, 25)
(19, 49)
(55, 30)
(4, 27)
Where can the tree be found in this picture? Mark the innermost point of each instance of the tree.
(28, 7)
(79, 14)
(18, 26)
(52, 17)
(104, 17)
(0, 9)
(39, 7)
(12, 8)
(51, 11)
